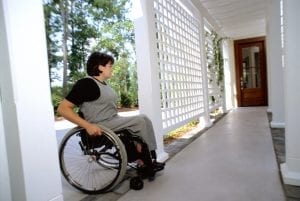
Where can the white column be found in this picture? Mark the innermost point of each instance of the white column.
(291, 168)
(27, 123)
(147, 69)
(5, 191)
(275, 69)
(228, 75)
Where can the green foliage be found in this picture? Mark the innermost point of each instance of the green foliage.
(57, 97)
(124, 81)
(92, 25)
(81, 33)
(133, 90)
(179, 132)
(213, 99)
(125, 100)
(52, 25)
(218, 57)
(215, 62)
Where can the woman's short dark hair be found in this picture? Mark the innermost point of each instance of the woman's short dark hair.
(96, 59)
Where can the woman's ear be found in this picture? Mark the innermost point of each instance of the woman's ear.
(100, 68)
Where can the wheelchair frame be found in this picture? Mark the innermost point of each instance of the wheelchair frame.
(95, 165)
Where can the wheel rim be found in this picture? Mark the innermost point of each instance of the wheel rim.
(92, 170)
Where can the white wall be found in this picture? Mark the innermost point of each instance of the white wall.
(28, 121)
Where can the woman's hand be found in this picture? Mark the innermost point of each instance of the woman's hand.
(93, 130)
(65, 108)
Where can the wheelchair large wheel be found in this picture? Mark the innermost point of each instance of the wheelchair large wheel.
(92, 165)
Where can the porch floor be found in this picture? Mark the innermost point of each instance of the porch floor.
(234, 160)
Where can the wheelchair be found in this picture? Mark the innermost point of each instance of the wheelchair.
(97, 164)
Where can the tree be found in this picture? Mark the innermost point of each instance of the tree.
(82, 33)
(77, 27)
(64, 12)
(52, 24)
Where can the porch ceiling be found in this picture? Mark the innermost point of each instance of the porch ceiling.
(238, 18)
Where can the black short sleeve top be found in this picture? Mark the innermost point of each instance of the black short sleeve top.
(84, 90)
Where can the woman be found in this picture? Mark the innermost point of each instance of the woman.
(98, 103)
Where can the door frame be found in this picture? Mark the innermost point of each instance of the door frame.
(237, 55)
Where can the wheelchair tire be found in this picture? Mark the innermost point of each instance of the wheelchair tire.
(92, 170)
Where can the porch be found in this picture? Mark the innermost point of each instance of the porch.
(233, 160)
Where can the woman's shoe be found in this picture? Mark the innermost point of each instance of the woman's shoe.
(157, 166)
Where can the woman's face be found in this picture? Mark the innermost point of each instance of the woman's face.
(107, 70)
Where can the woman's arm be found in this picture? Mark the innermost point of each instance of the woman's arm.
(65, 109)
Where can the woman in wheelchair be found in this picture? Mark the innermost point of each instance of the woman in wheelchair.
(98, 103)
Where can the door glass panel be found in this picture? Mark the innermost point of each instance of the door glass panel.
(251, 67)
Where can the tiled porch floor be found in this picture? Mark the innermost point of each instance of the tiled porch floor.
(232, 161)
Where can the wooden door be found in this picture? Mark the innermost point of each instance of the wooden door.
(251, 72)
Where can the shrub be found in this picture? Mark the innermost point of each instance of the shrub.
(56, 96)
(125, 100)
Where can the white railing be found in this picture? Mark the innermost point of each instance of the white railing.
(174, 81)
(179, 63)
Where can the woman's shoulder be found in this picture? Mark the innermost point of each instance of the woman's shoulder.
(86, 84)
(85, 89)
(86, 80)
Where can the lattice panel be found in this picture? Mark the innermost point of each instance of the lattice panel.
(214, 91)
(178, 51)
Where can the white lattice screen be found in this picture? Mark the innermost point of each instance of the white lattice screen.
(178, 52)
(214, 90)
